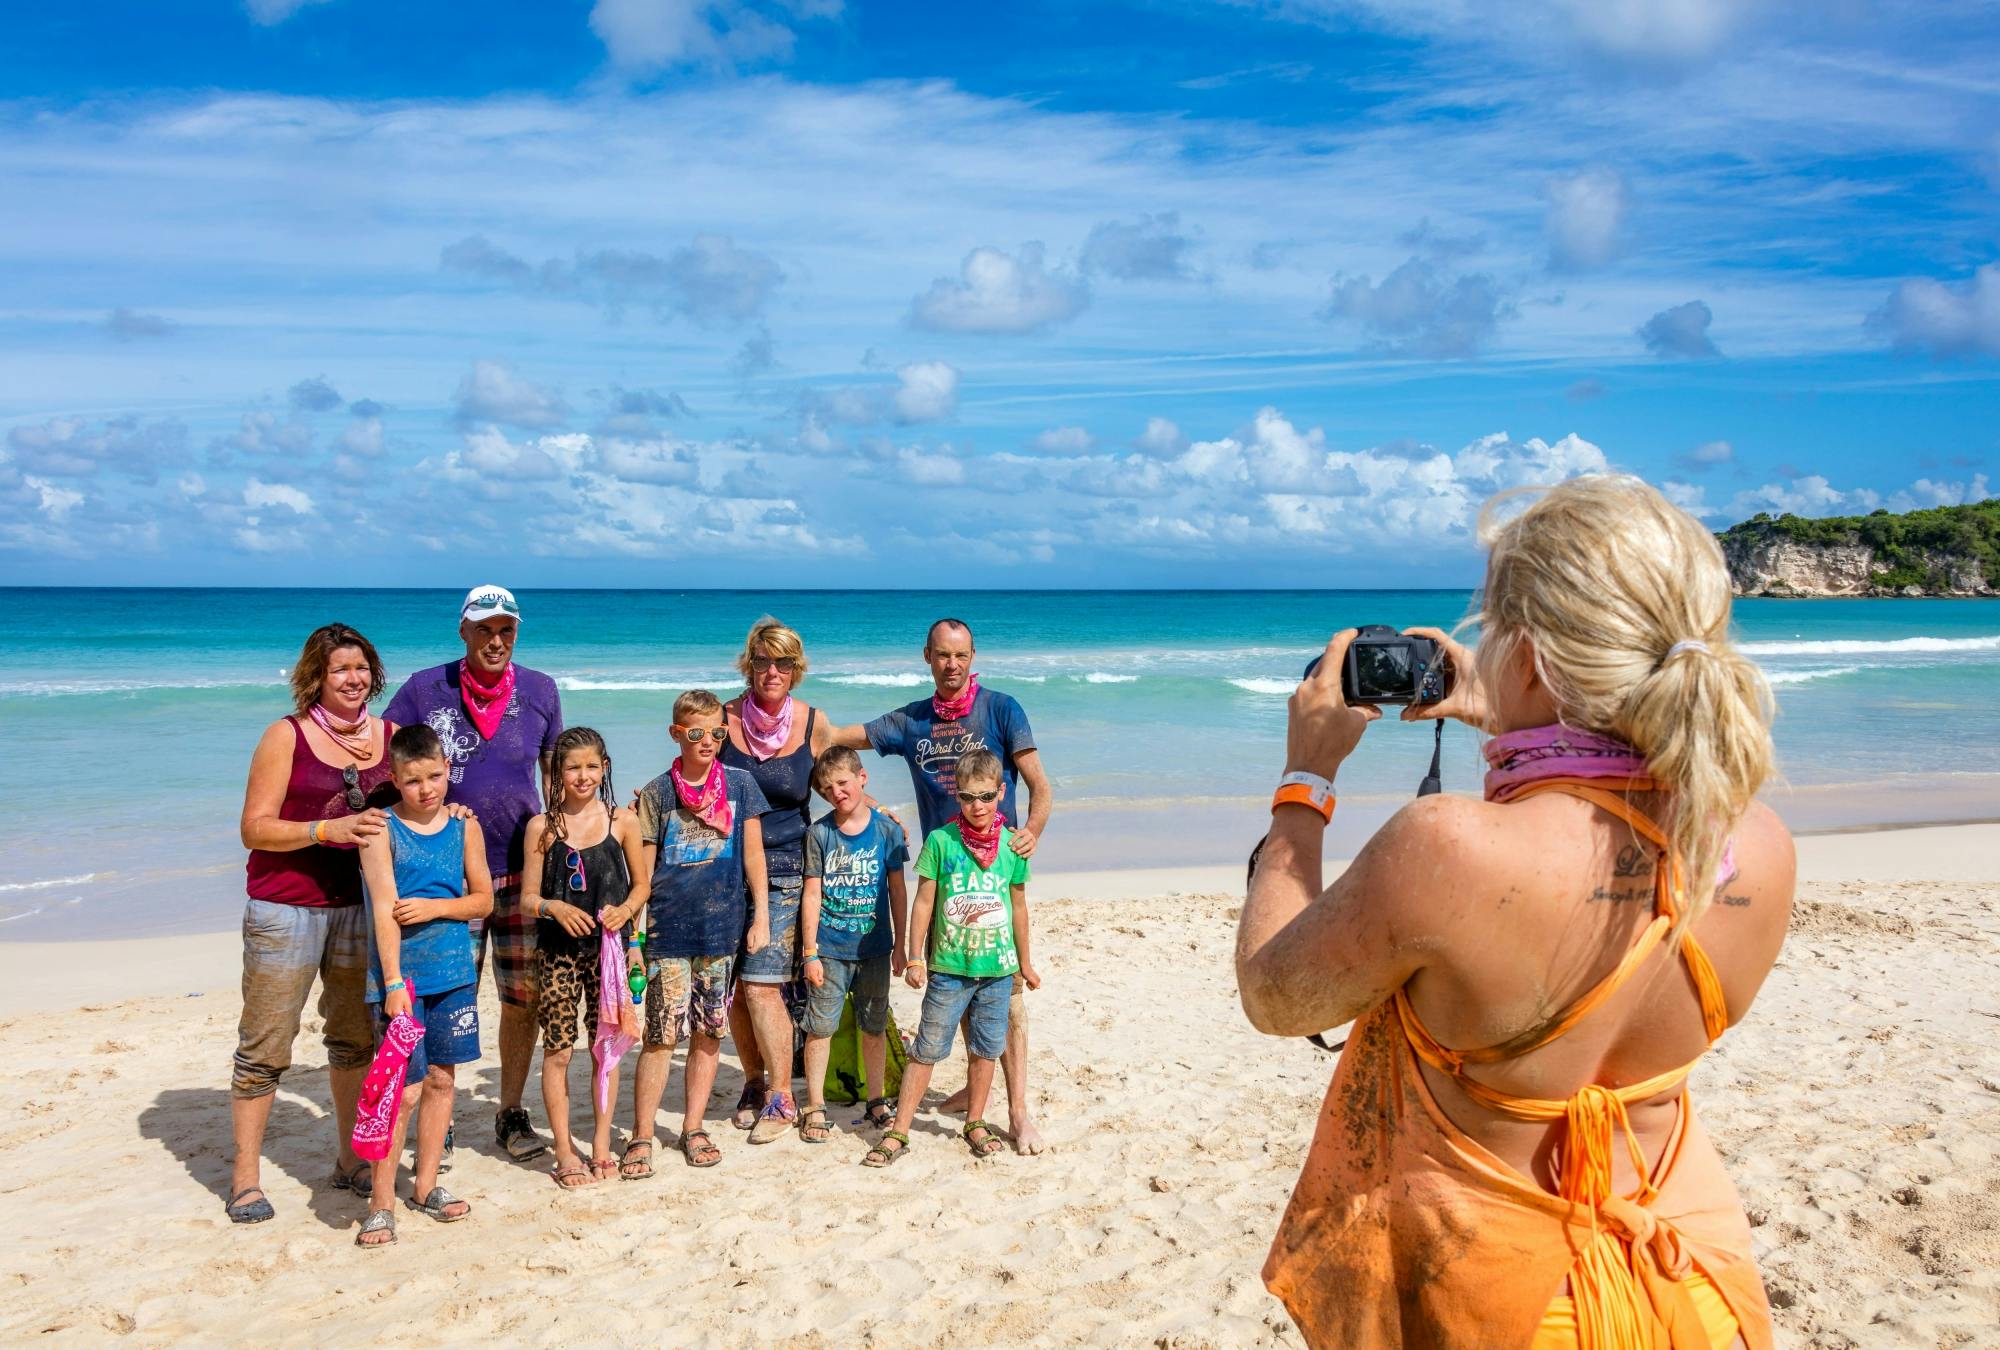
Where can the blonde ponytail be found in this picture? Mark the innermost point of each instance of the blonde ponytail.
(1626, 600)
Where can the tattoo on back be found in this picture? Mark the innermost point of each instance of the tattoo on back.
(1736, 901)
(1634, 860)
(1601, 896)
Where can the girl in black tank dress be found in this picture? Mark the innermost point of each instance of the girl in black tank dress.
(584, 891)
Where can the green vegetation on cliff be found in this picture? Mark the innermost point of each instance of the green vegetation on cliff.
(1907, 546)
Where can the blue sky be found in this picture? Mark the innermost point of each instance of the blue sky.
(803, 292)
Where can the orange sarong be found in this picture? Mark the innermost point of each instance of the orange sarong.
(1404, 1231)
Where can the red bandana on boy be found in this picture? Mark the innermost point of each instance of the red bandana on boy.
(983, 845)
(709, 800)
(486, 703)
(950, 710)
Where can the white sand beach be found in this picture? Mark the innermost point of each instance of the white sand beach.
(1859, 1110)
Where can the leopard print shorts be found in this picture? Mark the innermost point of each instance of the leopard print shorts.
(567, 979)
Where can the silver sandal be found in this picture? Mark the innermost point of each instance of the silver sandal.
(434, 1205)
(378, 1221)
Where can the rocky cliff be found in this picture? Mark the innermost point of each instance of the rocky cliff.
(1951, 550)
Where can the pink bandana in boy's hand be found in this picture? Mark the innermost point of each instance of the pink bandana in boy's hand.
(382, 1089)
(486, 704)
(710, 801)
(1518, 758)
(951, 709)
(617, 1016)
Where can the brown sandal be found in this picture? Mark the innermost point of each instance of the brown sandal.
(569, 1178)
(711, 1154)
(630, 1169)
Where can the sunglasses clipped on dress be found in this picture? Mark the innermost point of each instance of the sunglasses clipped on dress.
(576, 877)
(356, 799)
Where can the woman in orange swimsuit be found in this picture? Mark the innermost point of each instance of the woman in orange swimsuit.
(1507, 1155)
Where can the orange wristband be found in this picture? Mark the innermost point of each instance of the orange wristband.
(1298, 794)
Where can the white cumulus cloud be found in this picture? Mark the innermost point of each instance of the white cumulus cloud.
(258, 494)
(1946, 318)
(997, 292)
(494, 392)
(926, 391)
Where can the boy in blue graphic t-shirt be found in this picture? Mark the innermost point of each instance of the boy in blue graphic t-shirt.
(851, 932)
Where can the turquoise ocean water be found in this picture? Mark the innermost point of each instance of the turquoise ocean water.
(128, 716)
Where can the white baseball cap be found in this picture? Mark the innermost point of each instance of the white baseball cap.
(486, 602)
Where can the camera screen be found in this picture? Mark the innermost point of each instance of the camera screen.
(1383, 671)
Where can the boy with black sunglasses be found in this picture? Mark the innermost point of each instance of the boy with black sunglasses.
(705, 852)
(972, 899)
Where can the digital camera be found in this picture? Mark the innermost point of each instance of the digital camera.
(1384, 666)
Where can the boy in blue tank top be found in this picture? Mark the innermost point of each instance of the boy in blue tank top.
(425, 877)
(851, 933)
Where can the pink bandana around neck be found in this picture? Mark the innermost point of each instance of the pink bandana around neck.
(953, 709)
(382, 1089)
(486, 703)
(766, 732)
(710, 801)
(983, 845)
(1518, 758)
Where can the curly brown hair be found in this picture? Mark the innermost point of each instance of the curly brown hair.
(309, 671)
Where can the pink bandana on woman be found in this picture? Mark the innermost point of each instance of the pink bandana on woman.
(950, 710)
(983, 845)
(617, 1016)
(710, 801)
(764, 732)
(1518, 758)
(486, 703)
(382, 1089)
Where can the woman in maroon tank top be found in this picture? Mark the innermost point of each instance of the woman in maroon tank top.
(311, 798)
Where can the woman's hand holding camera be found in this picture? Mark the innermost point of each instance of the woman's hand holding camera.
(1322, 728)
(1464, 700)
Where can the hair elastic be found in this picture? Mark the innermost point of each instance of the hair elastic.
(1685, 645)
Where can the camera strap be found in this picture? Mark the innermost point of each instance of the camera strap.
(1433, 783)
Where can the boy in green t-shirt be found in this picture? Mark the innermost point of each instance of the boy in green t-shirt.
(972, 898)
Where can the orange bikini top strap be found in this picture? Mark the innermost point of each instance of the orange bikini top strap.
(1668, 891)
(1602, 793)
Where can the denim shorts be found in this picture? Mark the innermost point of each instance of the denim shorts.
(451, 1029)
(869, 979)
(285, 948)
(980, 1003)
(778, 961)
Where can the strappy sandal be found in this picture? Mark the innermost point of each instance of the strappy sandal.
(750, 1105)
(240, 1210)
(378, 1221)
(808, 1123)
(707, 1147)
(982, 1148)
(568, 1177)
(881, 1155)
(436, 1203)
(360, 1179)
(604, 1169)
(628, 1170)
(880, 1112)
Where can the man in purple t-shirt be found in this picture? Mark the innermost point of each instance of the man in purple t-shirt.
(499, 722)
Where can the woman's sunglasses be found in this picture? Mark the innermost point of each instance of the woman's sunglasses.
(785, 664)
(992, 796)
(693, 735)
(356, 798)
(576, 881)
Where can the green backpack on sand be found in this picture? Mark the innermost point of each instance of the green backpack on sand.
(846, 1079)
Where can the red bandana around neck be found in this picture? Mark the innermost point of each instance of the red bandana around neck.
(486, 703)
(951, 710)
(983, 845)
(709, 799)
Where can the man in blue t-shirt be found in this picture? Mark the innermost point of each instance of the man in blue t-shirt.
(931, 735)
(497, 721)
